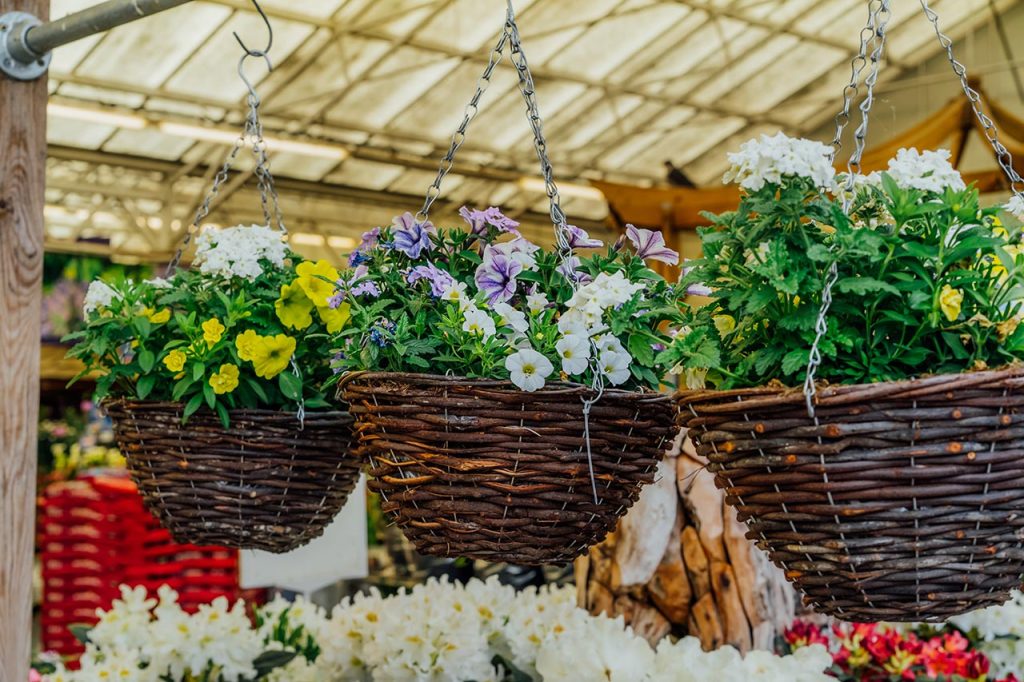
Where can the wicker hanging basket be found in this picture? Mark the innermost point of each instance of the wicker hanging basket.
(480, 469)
(902, 501)
(264, 484)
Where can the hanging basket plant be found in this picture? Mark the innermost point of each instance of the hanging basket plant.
(506, 396)
(214, 380)
(892, 488)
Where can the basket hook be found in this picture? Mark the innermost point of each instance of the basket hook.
(261, 54)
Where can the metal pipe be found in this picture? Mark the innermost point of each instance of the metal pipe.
(35, 42)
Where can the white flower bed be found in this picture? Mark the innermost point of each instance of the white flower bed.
(438, 632)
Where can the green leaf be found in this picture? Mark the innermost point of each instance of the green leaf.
(257, 389)
(795, 361)
(640, 348)
(956, 345)
(222, 412)
(269, 661)
(194, 403)
(181, 387)
(290, 385)
(145, 385)
(80, 631)
(209, 394)
(147, 360)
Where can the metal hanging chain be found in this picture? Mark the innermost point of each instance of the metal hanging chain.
(1003, 155)
(252, 133)
(872, 41)
(459, 136)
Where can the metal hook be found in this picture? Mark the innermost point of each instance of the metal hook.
(270, 36)
(263, 54)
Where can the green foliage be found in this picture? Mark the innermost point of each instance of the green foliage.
(927, 283)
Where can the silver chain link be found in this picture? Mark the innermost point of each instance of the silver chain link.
(459, 137)
(872, 45)
(252, 133)
(1003, 155)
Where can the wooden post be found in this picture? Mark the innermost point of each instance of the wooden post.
(22, 183)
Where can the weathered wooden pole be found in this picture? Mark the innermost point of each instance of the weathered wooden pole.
(22, 182)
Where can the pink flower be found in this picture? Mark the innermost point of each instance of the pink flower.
(650, 245)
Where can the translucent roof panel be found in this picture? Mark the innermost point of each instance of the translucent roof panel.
(375, 89)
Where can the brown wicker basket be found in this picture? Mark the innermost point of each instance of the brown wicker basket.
(480, 469)
(902, 501)
(264, 484)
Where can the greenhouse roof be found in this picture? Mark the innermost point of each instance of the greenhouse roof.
(366, 93)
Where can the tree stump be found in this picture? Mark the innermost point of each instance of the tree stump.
(679, 564)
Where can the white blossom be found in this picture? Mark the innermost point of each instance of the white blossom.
(1015, 207)
(478, 323)
(929, 171)
(239, 251)
(510, 317)
(574, 349)
(537, 302)
(771, 158)
(615, 366)
(456, 293)
(528, 369)
(100, 295)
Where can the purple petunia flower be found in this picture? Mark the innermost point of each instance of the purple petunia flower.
(380, 331)
(369, 241)
(579, 239)
(411, 237)
(357, 258)
(439, 279)
(650, 245)
(479, 220)
(496, 276)
(570, 270)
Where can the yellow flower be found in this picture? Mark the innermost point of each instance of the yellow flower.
(317, 280)
(998, 229)
(175, 361)
(226, 380)
(294, 307)
(335, 318)
(271, 354)
(246, 344)
(949, 302)
(157, 317)
(213, 331)
(724, 323)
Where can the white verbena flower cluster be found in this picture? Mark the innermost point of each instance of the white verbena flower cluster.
(929, 171)
(1001, 628)
(1015, 207)
(438, 632)
(772, 157)
(100, 295)
(238, 251)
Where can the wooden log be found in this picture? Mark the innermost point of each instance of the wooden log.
(705, 623)
(22, 186)
(703, 502)
(645, 620)
(669, 588)
(646, 530)
(697, 566)
(735, 625)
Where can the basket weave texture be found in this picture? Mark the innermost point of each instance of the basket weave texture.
(263, 484)
(901, 501)
(480, 469)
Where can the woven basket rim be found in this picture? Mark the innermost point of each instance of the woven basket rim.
(128, 404)
(1010, 376)
(566, 388)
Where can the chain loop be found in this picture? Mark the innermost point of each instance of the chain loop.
(872, 45)
(1003, 155)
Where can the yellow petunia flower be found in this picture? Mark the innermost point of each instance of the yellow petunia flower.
(175, 361)
(271, 355)
(950, 300)
(226, 380)
(335, 318)
(213, 331)
(317, 280)
(245, 343)
(725, 324)
(998, 229)
(294, 307)
(157, 317)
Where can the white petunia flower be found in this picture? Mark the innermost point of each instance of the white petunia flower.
(615, 366)
(608, 342)
(510, 317)
(574, 350)
(528, 369)
(537, 302)
(478, 323)
(456, 293)
(99, 295)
